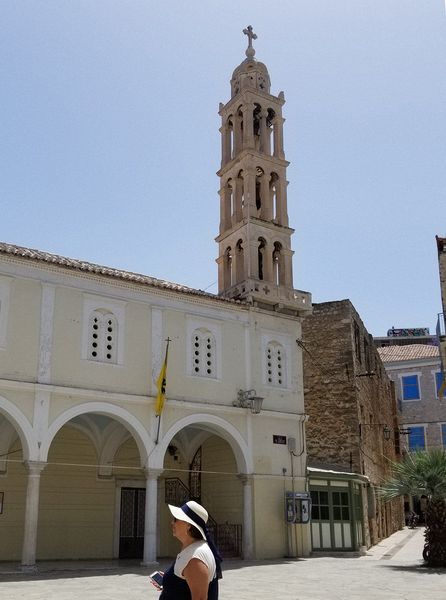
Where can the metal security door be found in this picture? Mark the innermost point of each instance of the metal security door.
(131, 532)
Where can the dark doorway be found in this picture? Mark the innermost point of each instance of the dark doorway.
(131, 531)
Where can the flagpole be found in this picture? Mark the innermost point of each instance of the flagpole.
(164, 383)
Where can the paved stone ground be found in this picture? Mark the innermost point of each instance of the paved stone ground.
(392, 570)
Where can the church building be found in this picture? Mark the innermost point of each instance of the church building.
(86, 466)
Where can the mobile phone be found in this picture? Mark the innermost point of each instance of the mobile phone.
(157, 577)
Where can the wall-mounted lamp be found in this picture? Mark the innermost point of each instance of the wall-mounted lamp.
(387, 432)
(249, 399)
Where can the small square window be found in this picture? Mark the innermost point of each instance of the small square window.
(411, 388)
(416, 438)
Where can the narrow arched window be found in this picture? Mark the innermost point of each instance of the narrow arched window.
(230, 134)
(203, 353)
(256, 116)
(240, 261)
(261, 257)
(275, 364)
(273, 188)
(228, 268)
(278, 268)
(259, 174)
(103, 336)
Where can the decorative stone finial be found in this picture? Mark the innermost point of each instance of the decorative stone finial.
(251, 36)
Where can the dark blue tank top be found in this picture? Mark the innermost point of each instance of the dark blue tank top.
(175, 588)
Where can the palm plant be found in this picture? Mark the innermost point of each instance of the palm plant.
(424, 473)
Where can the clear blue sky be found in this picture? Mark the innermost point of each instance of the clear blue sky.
(109, 138)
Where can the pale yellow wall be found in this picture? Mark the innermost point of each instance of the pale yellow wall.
(19, 360)
(69, 368)
(269, 522)
(222, 492)
(13, 484)
(76, 508)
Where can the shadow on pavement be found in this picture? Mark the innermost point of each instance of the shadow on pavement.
(420, 568)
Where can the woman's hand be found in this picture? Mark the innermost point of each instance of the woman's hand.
(155, 583)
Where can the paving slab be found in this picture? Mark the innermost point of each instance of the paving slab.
(391, 570)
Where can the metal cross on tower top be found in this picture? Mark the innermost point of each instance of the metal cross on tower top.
(251, 36)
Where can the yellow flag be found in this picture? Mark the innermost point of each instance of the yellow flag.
(161, 387)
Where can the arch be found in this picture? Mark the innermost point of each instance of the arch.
(239, 261)
(240, 195)
(230, 134)
(23, 427)
(270, 115)
(130, 422)
(216, 425)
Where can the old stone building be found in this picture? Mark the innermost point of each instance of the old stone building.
(352, 429)
(416, 373)
(87, 468)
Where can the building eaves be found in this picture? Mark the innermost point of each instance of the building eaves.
(92, 268)
(407, 353)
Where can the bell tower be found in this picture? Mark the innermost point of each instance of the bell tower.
(255, 256)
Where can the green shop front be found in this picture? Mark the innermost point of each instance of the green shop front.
(337, 515)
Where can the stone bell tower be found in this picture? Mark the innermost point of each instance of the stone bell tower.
(255, 256)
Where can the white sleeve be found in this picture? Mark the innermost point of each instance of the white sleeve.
(200, 551)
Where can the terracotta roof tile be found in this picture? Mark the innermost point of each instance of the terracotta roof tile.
(87, 267)
(408, 352)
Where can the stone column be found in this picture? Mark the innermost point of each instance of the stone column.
(237, 135)
(150, 518)
(249, 181)
(282, 201)
(268, 263)
(287, 266)
(31, 514)
(225, 144)
(221, 276)
(248, 511)
(265, 194)
(278, 136)
(248, 126)
(237, 191)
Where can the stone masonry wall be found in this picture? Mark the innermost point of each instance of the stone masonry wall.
(350, 401)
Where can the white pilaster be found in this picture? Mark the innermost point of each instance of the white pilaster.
(31, 514)
(46, 333)
(149, 556)
(248, 511)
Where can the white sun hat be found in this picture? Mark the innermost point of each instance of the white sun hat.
(192, 513)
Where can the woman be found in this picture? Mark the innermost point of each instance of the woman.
(194, 574)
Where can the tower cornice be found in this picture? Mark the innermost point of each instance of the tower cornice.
(275, 227)
(247, 95)
(257, 157)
